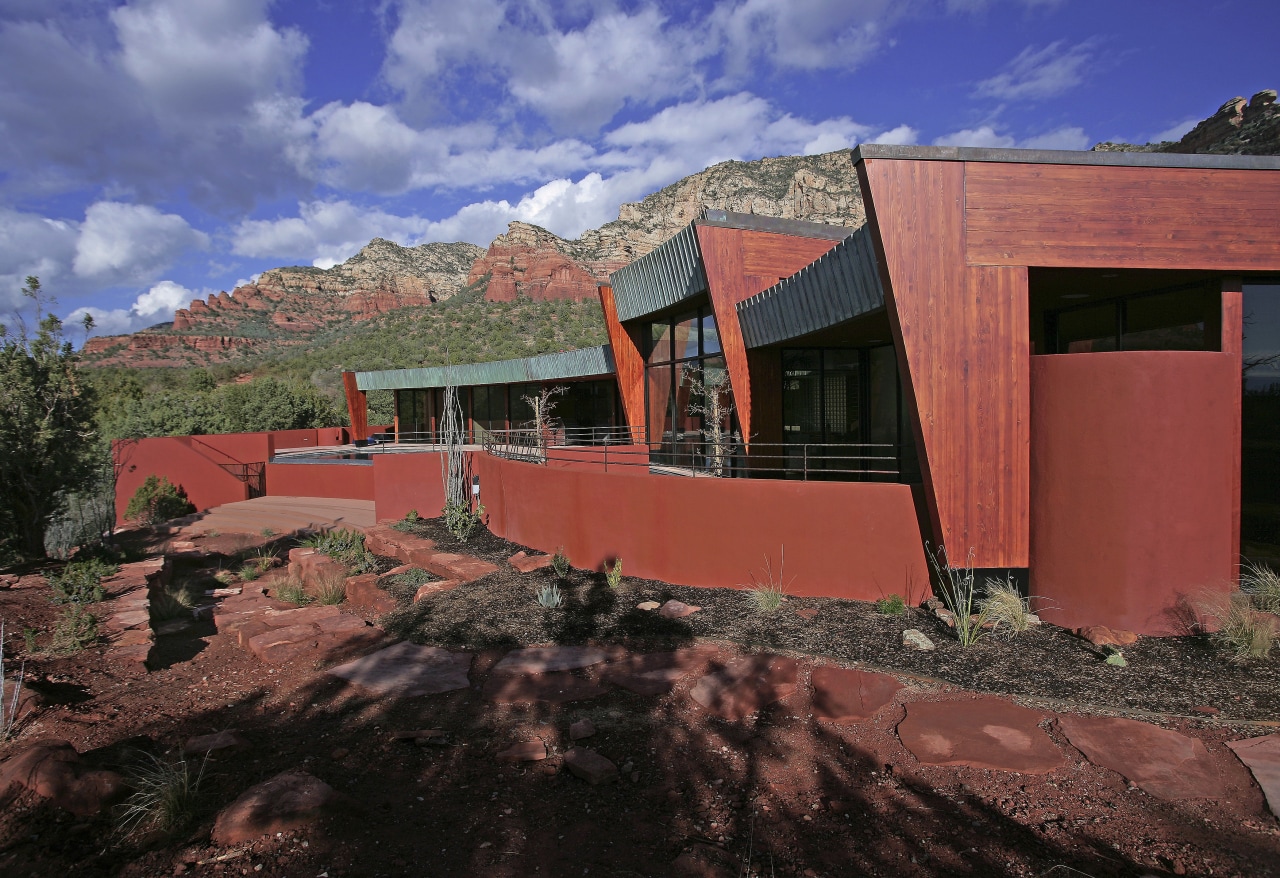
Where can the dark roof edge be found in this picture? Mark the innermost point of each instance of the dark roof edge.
(1064, 157)
(798, 228)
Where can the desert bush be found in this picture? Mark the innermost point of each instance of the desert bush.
(560, 563)
(550, 597)
(75, 630)
(80, 582)
(9, 709)
(166, 795)
(410, 523)
(613, 575)
(346, 547)
(330, 587)
(958, 590)
(292, 591)
(1004, 607)
(156, 500)
(767, 589)
(461, 521)
(176, 601)
(893, 605)
(1262, 585)
(1242, 630)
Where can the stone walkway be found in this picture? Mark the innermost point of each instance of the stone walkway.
(280, 515)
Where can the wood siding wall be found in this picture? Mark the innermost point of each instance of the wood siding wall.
(627, 360)
(740, 263)
(357, 406)
(955, 240)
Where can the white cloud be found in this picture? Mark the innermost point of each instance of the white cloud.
(903, 135)
(324, 232)
(805, 34)
(121, 243)
(33, 245)
(156, 305)
(1038, 74)
(1175, 132)
(987, 136)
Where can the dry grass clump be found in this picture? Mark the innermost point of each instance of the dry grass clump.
(76, 629)
(1242, 629)
(292, 591)
(1262, 585)
(768, 590)
(177, 601)
(958, 590)
(9, 710)
(1005, 608)
(165, 798)
(330, 586)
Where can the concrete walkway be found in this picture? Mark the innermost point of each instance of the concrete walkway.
(282, 515)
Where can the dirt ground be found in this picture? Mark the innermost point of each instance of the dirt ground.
(779, 793)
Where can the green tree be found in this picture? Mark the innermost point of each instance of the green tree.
(268, 404)
(46, 428)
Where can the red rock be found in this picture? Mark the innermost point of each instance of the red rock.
(217, 744)
(807, 613)
(555, 688)
(287, 801)
(655, 673)
(429, 588)
(299, 615)
(407, 670)
(745, 685)
(648, 605)
(1262, 757)
(1166, 764)
(363, 592)
(1101, 635)
(526, 563)
(982, 732)
(51, 768)
(850, 696)
(525, 751)
(540, 659)
(677, 610)
(583, 728)
(590, 766)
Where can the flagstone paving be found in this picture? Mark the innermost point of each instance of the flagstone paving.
(745, 685)
(983, 732)
(1166, 764)
(1262, 757)
(846, 696)
(407, 670)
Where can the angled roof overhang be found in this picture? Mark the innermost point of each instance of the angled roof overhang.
(594, 362)
(842, 284)
(1065, 157)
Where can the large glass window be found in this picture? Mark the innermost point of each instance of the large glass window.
(842, 415)
(489, 407)
(413, 414)
(682, 357)
(1260, 451)
(1172, 320)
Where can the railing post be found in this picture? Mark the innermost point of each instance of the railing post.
(805, 463)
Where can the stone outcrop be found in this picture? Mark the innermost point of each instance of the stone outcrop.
(1239, 127)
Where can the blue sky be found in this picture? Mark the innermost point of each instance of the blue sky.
(157, 150)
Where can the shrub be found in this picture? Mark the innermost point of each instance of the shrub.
(9, 709)
(560, 563)
(768, 590)
(957, 589)
(549, 596)
(175, 602)
(1241, 629)
(461, 521)
(80, 582)
(1004, 606)
(613, 576)
(1262, 584)
(893, 605)
(165, 795)
(292, 592)
(331, 587)
(156, 500)
(76, 629)
(346, 547)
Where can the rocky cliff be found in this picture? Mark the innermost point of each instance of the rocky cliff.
(1239, 127)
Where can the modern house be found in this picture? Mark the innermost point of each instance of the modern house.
(1047, 362)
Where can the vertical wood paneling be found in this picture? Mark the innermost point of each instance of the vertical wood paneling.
(740, 263)
(1233, 343)
(627, 360)
(963, 339)
(357, 406)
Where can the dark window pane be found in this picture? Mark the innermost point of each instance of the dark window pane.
(802, 396)
(1260, 446)
(1087, 330)
(842, 394)
(710, 335)
(658, 379)
(1168, 322)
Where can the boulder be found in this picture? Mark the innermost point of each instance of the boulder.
(52, 769)
(590, 766)
(287, 801)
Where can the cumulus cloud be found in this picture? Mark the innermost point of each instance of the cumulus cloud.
(1174, 132)
(324, 232)
(804, 34)
(154, 306)
(1038, 74)
(987, 136)
(122, 243)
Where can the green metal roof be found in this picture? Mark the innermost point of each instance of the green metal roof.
(667, 275)
(842, 284)
(585, 363)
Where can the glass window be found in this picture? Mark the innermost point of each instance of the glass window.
(1260, 445)
(521, 411)
(842, 395)
(658, 380)
(1167, 322)
(802, 396)
(659, 342)
(1088, 330)
(686, 336)
(710, 335)
(882, 400)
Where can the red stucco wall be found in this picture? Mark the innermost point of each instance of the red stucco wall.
(407, 481)
(1131, 485)
(341, 480)
(842, 540)
(207, 485)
